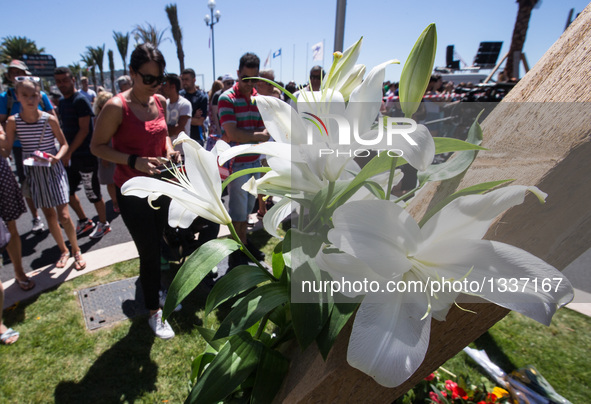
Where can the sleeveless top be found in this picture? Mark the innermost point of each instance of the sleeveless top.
(35, 136)
(144, 138)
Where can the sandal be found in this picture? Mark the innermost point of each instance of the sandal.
(10, 333)
(27, 284)
(79, 263)
(63, 260)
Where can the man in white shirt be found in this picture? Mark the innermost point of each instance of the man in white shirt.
(178, 109)
(85, 91)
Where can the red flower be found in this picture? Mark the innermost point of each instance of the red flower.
(492, 397)
(481, 402)
(430, 377)
(450, 385)
(434, 397)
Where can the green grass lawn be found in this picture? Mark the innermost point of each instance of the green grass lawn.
(58, 360)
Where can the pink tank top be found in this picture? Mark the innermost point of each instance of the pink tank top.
(144, 138)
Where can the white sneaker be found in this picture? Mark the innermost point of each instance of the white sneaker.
(38, 225)
(163, 294)
(161, 329)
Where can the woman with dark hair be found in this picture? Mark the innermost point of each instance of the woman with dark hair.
(135, 121)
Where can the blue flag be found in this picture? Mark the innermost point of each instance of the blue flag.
(277, 53)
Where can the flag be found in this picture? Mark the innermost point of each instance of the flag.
(318, 51)
(277, 53)
(267, 61)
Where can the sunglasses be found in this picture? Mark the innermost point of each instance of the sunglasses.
(34, 79)
(250, 80)
(149, 80)
(315, 77)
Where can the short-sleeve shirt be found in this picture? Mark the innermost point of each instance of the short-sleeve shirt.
(198, 100)
(90, 94)
(234, 107)
(175, 110)
(70, 110)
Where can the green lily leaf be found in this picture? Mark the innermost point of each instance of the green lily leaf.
(195, 268)
(376, 165)
(251, 308)
(475, 189)
(269, 376)
(341, 312)
(417, 71)
(309, 311)
(450, 144)
(199, 364)
(282, 89)
(232, 365)
(240, 173)
(232, 284)
(458, 164)
(277, 261)
(208, 335)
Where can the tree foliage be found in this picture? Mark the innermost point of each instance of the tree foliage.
(149, 33)
(122, 42)
(14, 47)
(177, 33)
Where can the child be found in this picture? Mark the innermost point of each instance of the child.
(37, 131)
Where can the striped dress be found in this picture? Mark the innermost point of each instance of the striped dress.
(49, 185)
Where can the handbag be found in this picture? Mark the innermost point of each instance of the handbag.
(4, 235)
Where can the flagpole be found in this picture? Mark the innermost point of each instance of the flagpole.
(307, 50)
(281, 67)
(293, 67)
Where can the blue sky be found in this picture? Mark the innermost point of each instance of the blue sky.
(390, 28)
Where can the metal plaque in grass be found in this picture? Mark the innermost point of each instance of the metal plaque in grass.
(107, 304)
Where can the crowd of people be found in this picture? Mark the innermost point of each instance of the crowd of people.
(88, 139)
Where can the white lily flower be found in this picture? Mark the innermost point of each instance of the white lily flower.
(382, 242)
(197, 193)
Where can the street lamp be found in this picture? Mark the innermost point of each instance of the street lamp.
(210, 21)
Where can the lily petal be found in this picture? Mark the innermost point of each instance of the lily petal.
(363, 227)
(143, 187)
(274, 216)
(471, 216)
(365, 101)
(281, 120)
(276, 149)
(389, 341)
(510, 277)
(178, 216)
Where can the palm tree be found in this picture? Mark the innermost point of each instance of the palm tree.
(122, 42)
(177, 33)
(519, 32)
(90, 63)
(98, 55)
(112, 69)
(15, 47)
(148, 34)
(76, 70)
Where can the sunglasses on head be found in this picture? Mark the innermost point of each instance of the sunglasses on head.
(149, 80)
(249, 80)
(34, 79)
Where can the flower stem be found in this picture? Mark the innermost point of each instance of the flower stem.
(391, 178)
(320, 213)
(408, 194)
(248, 254)
(262, 325)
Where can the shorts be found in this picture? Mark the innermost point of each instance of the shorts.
(84, 169)
(241, 202)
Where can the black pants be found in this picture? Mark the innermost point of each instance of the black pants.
(146, 226)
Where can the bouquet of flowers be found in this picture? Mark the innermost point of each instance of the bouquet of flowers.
(351, 242)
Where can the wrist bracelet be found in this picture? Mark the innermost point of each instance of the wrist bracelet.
(131, 160)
